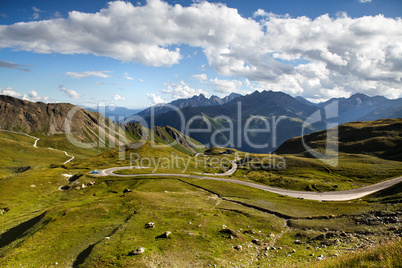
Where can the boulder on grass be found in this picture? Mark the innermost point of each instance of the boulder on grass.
(137, 251)
(165, 235)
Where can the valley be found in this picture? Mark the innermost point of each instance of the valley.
(246, 217)
(197, 133)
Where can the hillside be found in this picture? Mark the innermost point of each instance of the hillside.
(166, 135)
(49, 119)
(381, 138)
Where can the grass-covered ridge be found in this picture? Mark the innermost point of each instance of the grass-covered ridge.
(381, 138)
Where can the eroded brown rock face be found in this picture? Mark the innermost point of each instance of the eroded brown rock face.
(50, 119)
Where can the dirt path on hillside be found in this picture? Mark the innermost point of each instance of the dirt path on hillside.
(36, 142)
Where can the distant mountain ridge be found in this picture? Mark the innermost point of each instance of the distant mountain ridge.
(114, 112)
(280, 115)
(195, 101)
(360, 106)
(268, 106)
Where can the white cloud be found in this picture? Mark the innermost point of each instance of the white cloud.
(36, 14)
(117, 97)
(141, 80)
(226, 86)
(69, 92)
(32, 95)
(155, 99)
(148, 34)
(103, 74)
(364, 1)
(269, 49)
(127, 76)
(200, 77)
(182, 90)
(57, 14)
(9, 91)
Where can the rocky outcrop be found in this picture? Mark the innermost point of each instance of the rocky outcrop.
(49, 119)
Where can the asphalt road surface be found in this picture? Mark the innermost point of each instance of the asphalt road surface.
(321, 196)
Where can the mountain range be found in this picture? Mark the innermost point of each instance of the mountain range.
(195, 101)
(281, 115)
(360, 107)
(258, 122)
(117, 113)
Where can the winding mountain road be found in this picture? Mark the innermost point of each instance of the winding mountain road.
(35, 145)
(319, 196)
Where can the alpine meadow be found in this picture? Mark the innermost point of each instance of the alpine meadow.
(160, 133)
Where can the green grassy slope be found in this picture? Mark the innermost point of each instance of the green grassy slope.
(98, 226)
(17, 154)
(95, 224)
(381, 138)
(311, 174)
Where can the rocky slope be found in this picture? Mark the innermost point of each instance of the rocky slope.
(50, 119)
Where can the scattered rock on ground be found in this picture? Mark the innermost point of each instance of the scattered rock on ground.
(257, 242)
(137, 251)
(190, 233)
(165, 234)
(3, 210)
(230, 232)
(150, 225)
(238, 247)
(64, 188)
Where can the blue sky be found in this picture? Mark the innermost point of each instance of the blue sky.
(138, 53)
